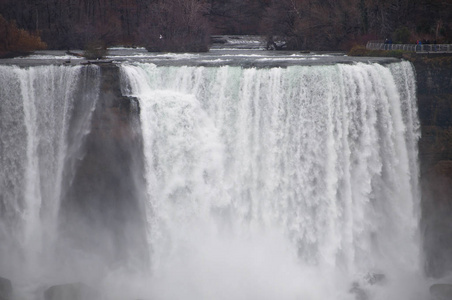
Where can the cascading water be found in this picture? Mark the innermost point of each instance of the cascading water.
(280, 183)
(271, 183)
(45, 114)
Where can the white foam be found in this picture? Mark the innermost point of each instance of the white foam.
(280, 183)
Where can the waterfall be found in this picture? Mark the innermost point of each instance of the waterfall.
(45, 114)
(280, 183)
(259, 183)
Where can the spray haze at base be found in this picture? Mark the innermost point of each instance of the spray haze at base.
(270, 183)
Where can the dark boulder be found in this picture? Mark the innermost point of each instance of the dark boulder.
(375, 278)
(369, 279)
(358, 291)
(6, 289)
(70, 291)
(441, 291)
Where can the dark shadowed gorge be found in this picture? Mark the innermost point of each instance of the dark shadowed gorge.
(434, 79)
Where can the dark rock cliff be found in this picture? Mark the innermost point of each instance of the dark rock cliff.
(434, 80)
(104, 207)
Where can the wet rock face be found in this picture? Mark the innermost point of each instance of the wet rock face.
(6, 289)
(103, 212)
(434, 80)
(434, 74)
(434, 83)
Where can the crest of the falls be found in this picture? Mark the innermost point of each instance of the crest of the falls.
(45, 114)
(280, 183)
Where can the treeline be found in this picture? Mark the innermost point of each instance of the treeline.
(14, 40)
(74, 24)
(185, 25)
(339, 24)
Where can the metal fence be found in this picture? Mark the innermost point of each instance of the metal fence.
(424, 48)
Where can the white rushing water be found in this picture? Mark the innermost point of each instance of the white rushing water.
(45, 114)
(280, 183)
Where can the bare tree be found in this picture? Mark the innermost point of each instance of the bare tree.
(184, 25)
(177, 25)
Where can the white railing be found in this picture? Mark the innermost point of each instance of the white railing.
(427, 48)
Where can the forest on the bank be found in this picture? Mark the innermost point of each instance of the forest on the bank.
(186, 25)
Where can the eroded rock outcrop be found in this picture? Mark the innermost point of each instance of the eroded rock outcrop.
(434, 80)
(70, 291)
(103, 211)
(6, 289)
